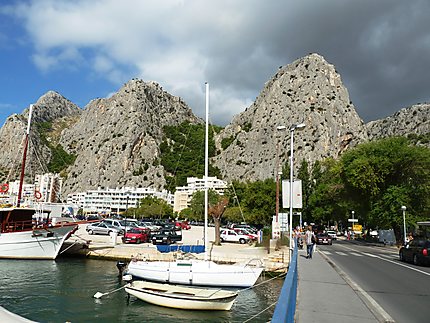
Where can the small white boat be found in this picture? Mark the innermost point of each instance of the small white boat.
(182, 297)
(9, 317)
(196, 273)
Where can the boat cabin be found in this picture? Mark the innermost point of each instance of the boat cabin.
(19, 219)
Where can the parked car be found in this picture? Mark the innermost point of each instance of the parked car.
(251, 235)
(136, 235)
(102, 228)
(243, 226)
(184, 225)
(416, 251)
(229, 235)
(323, 238)
(150, 225)
(123, 224)
(332, 234)
(166, 236)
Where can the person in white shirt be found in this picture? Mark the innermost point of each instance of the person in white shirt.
(310, 241)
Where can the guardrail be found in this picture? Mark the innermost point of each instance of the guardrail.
(286, 306)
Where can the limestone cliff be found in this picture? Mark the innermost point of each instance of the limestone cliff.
(117, 139)
(414, 120)
(307, 91)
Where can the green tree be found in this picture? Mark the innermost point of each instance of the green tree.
(151, 207)
(259, 202)
(382, 176)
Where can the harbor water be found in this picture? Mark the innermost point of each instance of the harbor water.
(63, 290)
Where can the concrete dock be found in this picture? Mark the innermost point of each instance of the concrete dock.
(104, 247)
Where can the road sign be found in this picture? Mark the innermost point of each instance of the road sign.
(352, 220)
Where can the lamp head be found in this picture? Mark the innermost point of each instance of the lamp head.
(403, 208)
(297, 126)
(281, 128)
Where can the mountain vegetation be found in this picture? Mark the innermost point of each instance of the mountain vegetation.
(183, 153)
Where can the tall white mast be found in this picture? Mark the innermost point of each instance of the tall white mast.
(206, 170)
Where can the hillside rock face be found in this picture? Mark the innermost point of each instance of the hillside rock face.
(411, 120)
(117, 139)
(50, 107)
(307, 91)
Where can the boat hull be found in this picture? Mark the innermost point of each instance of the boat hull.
(180, 297)
(34, 244)
(196, 273)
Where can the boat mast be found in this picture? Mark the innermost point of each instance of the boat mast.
(24, 157)
(206, 170)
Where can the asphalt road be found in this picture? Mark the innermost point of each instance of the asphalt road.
(401, 289)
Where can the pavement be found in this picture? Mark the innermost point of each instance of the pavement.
(326, 294)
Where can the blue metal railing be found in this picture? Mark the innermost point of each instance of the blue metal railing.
(286, 306)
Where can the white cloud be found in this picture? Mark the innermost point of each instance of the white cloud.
(235, 45)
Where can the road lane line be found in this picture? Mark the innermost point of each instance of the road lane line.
(340, 253)
(325, 252)
(380, 314)
(356, 254)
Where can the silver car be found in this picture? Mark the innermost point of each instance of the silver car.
(102, 228)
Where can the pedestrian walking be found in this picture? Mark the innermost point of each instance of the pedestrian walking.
(310, 241)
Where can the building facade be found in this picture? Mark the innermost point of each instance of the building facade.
(183, 194)
(107, 201)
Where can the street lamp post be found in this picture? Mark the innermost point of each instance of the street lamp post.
(404, 224)
(279, 128)
(352, 224)
(292, 128)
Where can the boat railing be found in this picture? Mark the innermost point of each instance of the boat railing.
(254, 262)
(17, 226)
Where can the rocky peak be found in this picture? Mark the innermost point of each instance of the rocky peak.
(309, 90)
(117, 139)
(410, 120)
(52, 106)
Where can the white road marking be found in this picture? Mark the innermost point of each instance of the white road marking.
(391, 261)
(325, 252)
(356, 254)
(340, 253)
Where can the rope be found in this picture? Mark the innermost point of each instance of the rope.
(254, 316)
(68, 247)
(263, 282)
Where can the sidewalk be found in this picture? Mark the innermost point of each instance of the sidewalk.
(324, 296)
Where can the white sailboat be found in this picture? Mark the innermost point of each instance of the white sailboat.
(198, 272)
(20, 236)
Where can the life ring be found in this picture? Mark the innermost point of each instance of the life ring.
(37, 195)
(4, 188)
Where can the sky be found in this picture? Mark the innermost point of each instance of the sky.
(88, 49)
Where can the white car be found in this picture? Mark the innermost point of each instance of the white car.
(229, 235)
(332, 235)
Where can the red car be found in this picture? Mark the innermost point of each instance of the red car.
(184, 225)
(136, 235)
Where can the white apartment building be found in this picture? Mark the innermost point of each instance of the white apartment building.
(184, 194)
(49, 186)
(46, 188)
(114, 200)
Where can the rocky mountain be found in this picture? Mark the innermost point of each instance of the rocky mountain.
(116, 140)
(52, 108)
(307, 91)
(411, 120)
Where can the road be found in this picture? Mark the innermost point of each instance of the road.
(401, 289)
